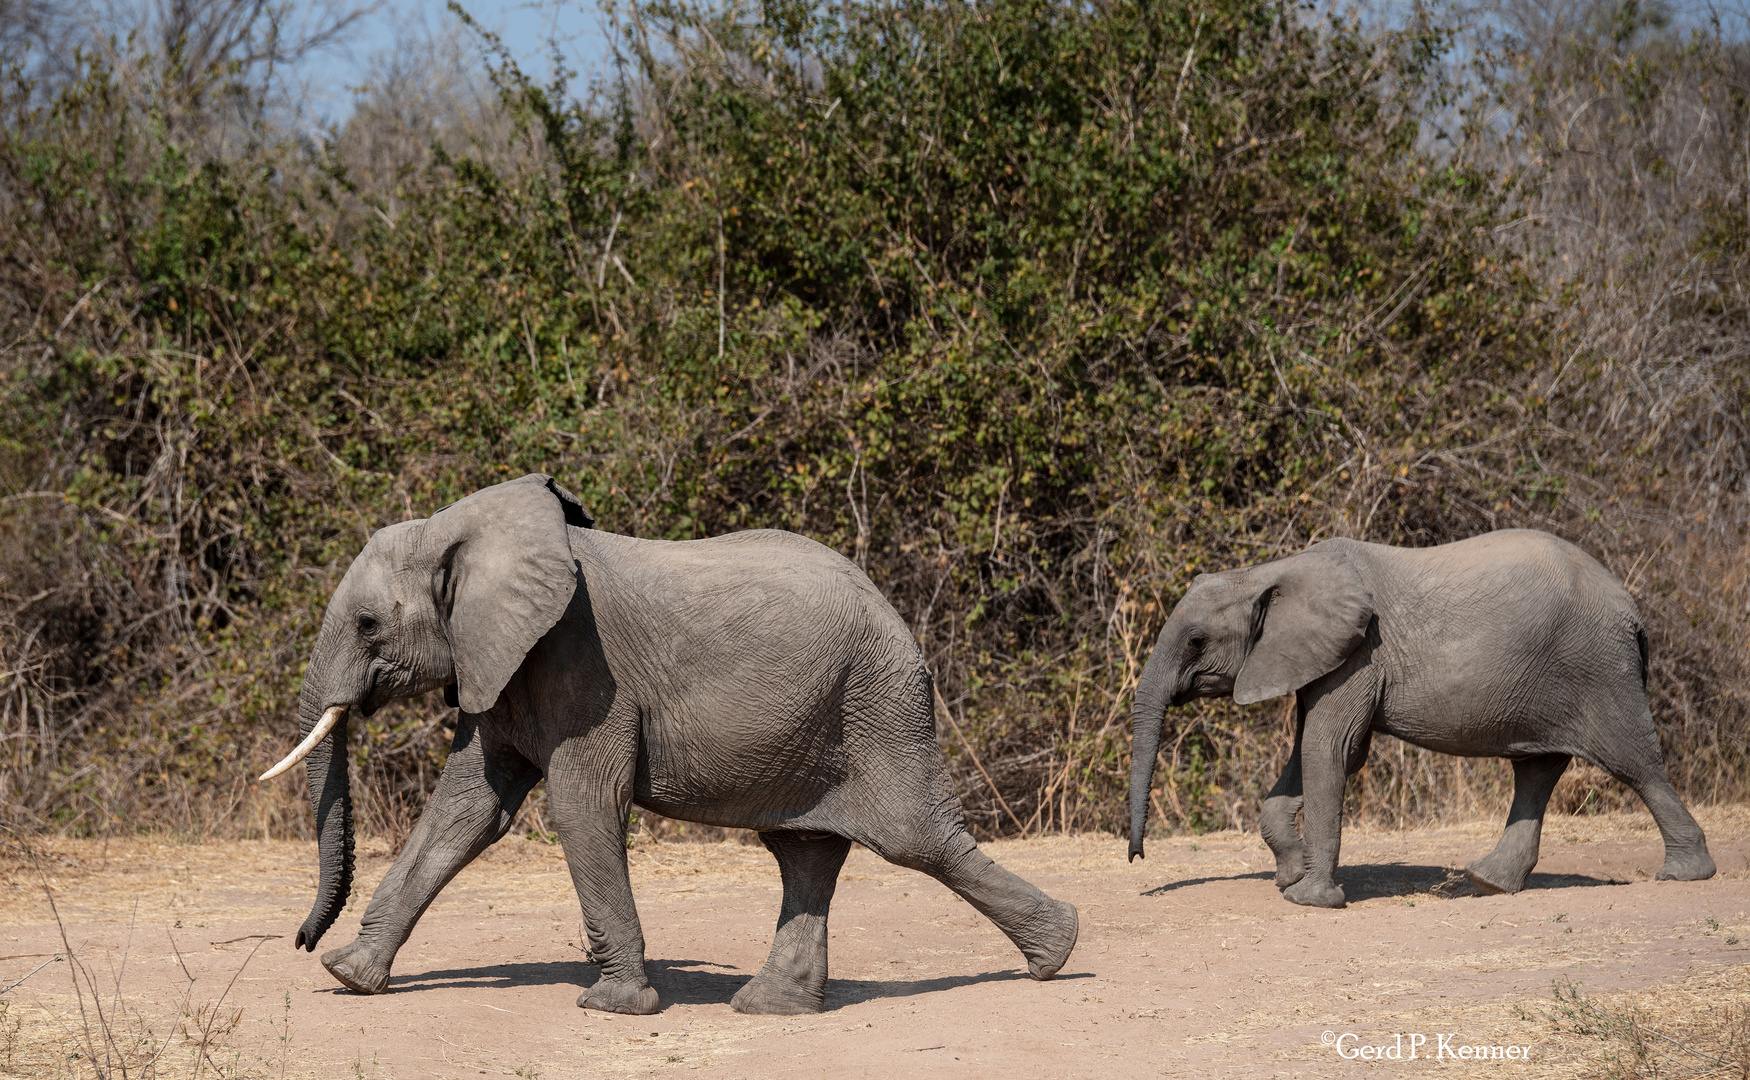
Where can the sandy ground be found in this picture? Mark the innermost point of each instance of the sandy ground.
(1189, 964)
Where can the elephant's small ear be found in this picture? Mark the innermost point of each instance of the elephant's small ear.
(1312, 611)
(503, 576)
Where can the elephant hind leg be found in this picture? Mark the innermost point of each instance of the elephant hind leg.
(1505, 869)
(909, 815)
(794, 978)
(1045, 930)
(1642, 767)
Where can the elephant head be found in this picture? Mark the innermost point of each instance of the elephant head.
(455, 600)
(1255, 634)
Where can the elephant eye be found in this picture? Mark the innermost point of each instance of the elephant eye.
(367, 625)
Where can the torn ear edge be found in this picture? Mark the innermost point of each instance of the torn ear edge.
(570, 504)
(575, 514)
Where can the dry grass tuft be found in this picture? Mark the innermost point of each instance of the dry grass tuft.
(1697, 1028)
(99, 1032)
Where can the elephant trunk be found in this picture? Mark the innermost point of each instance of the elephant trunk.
(1153, 694)
(331, 798)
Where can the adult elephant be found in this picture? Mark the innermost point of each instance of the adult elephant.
(1512, 644)
(757, 680)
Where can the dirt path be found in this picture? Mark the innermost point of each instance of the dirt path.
(1189, 962)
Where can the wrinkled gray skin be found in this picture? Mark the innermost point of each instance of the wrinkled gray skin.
(1513, 644)
(757, 680)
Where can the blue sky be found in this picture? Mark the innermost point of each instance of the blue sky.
(526, 26)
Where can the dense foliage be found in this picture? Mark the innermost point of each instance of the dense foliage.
(1034, 309)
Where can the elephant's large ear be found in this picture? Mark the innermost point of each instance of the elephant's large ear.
(1312, 611)
(502, 576)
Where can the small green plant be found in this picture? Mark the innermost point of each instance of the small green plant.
(285, 1034)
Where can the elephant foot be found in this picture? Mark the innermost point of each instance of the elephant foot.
(1310, 893)
(357, 969)
(775, 995)
(1290, 867)
(1689, 866)
(620, 997)
(1491, 875)
(1050, 949)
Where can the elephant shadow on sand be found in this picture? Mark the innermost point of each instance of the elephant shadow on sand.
(1373, 881)
(684, 982)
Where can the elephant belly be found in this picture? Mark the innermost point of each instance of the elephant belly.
(1526, 710)
(1466, 737)
(749, 771)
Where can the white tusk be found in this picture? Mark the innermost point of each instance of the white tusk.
(317, 734)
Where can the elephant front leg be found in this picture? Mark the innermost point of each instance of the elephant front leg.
(1336, 734)
(1276, 820)
(1505, 869)
(590, 816)
(1322, 785)
(475, 804)
(794, 978)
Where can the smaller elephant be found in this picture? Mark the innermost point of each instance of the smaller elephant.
(1511, 644)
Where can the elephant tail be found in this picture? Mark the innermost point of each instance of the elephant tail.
(1146, 718)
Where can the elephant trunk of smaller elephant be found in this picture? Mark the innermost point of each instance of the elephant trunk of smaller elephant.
(1147, 717)
(331, 798)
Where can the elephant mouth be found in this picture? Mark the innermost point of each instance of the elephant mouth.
(1199, 685)
(367, 702)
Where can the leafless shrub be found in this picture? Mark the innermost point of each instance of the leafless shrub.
(1632, 134)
